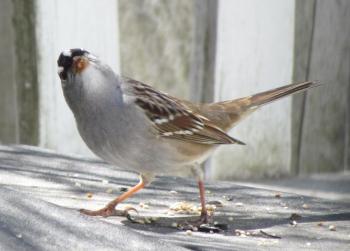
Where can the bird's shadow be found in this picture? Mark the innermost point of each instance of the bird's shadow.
(165, 225)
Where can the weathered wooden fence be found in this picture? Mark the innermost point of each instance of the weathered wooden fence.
(203, 50)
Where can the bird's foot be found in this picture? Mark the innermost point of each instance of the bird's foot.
(195, 224)
(203, 224)
(108, 211)
(203, 219)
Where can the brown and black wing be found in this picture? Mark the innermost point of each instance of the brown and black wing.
(174, 119)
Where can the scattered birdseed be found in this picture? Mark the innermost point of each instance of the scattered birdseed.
(172, 192)
(89, 195)
(210, 208)
(305, 206)
(239, 232)
(189, 208)
(144, 205)
(228, 197)
(188, 232)
(332, 228)
(105, 181)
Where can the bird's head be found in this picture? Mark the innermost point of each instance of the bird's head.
(84, 76)
(74, 62)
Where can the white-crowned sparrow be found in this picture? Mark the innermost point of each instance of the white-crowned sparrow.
(133, 126)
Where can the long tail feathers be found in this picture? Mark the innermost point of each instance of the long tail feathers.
(266, 97)
(232, 111)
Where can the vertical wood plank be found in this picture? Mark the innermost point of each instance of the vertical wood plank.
(323, 141)
(202, 68)
(255, 53)
(9, 131)
(26, 71)
(155, 42)
(347, 131)
(61, 25)
(303, 39)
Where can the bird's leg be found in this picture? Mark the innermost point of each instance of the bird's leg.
(204, 217)
(204, 213)
(109, 209)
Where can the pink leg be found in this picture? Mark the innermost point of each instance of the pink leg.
(204, 213)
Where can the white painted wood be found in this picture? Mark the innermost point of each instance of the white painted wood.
(255, 53)
(88, 24)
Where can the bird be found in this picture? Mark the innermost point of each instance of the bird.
(136, 127)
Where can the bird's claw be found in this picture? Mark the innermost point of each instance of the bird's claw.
(203, 219)
(202, 224)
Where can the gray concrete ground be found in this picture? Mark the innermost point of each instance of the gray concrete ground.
(40, 192)
(331, 186)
